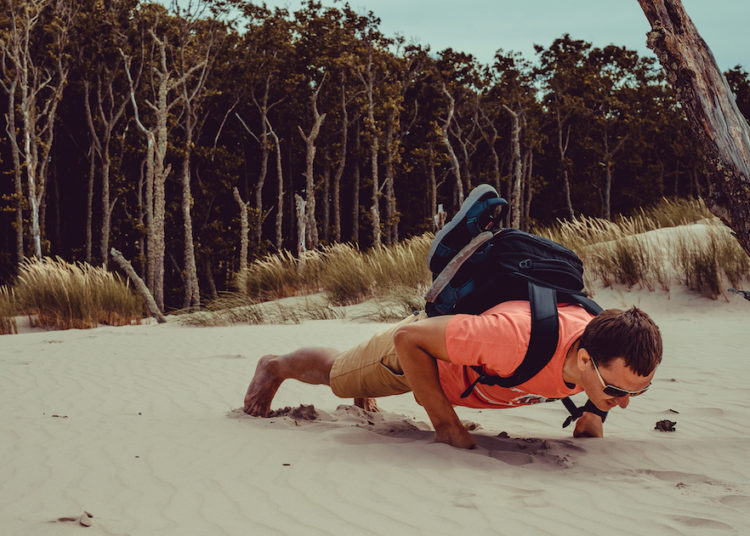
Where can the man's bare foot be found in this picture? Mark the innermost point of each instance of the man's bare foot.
(263, 387)
(455, 436)
(367, 404)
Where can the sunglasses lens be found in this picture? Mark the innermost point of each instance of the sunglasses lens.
(614, 391)
(611, 390)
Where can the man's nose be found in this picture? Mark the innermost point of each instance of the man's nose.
(623, 401)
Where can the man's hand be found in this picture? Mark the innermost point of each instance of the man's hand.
(589, 425)
(455, 436)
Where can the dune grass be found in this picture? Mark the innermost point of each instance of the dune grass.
(60, 295)
(704, 257)
(7, 311)
(697, 251)
(344, 273)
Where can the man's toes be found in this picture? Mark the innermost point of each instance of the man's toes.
(367, 404)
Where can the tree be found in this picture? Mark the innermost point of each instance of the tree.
(111, 97)
(193, 54)
(716, 121)
(162, 83)
(565, 73)
(41, 79)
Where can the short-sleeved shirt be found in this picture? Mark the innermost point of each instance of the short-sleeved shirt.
(498, 340)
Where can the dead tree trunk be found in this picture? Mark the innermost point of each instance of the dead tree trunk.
(455, 166)
(90, 203)
(562, 147)
(139, 285)
(529, 192)
(301, 224)
(391, 217)
(244, 230)
(10, 129)
(515, 191)
(355, 185)
(489, 132)
(339, 173)
(156, 171)
(711, 109)
(368, 82)
(280, 186)
(311, 224)
(41, 88)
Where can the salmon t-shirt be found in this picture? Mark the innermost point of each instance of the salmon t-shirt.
(498, 339)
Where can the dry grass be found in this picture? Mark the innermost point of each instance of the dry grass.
(342, 271)
(352, 276)
(393, 279)
(703, 257)
(7, 311)
(57, 294)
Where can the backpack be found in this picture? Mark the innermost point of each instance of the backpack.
(502, 264)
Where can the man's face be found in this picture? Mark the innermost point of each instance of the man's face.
(614, 373)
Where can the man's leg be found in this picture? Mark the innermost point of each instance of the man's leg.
(308, 365)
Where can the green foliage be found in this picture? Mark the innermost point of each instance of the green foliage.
(57, 294)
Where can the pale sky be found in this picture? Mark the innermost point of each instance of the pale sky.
(480, 27)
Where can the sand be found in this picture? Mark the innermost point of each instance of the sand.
(140, 427)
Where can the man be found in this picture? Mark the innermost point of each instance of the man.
(611, 357)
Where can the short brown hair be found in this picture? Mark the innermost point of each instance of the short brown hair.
(629, 334)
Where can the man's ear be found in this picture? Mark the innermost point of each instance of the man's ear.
(582, 359)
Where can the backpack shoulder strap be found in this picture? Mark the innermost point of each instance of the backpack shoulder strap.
(545, 333)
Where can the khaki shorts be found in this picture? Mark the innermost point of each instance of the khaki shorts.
(372, 368)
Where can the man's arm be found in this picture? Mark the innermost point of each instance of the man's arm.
(419, 345)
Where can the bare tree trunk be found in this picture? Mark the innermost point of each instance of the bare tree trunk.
(562, 146)
(209, 274)
(192, 290)
(280, 187)
(711, 110)
(391, 219)
(139, 285)
(156, 172)
(10, 129)
(141, 217)
(301, 224)
(150, 242)
(244, 230)
(369, 84)
(515, 194)
(467, 150)
(311, 224)
(529, 189)
(489, 133)
(338, 174)
(41, 91)
(455, 166)
(90, 204)
(326, 199)
(355, 185)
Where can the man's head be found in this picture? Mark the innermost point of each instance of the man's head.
(622, 350)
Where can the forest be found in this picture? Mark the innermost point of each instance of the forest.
(197, 137)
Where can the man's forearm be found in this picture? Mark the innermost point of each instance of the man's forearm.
(421, 372)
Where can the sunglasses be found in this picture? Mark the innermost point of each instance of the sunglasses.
(617, 392)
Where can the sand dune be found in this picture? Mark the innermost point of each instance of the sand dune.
(140, 427)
